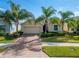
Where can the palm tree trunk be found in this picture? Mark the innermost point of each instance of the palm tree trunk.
(46, 25)
(62, 26)
(68, 28)
(17, 26)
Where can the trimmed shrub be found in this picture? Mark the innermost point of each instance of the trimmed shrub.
(49, 34)
(46, 34)
(61, 33)
(8, 37)
(2, 33)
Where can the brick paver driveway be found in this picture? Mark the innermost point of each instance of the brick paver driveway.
(21, 51)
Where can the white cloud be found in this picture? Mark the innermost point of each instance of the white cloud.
(2, 9)
(76, 13)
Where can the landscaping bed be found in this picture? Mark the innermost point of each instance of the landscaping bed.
(70, 39)
(6, 39)
(61, 51)
(2, 49)
(49, 34)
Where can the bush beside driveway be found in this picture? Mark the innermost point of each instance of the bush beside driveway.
(6, 39)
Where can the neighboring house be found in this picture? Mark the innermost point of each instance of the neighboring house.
(4, 27)
(7, 28)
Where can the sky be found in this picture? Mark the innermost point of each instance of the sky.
(34, 6)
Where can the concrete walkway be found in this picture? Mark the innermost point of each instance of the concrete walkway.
(19, 49)
(59, 44)
(4, 44)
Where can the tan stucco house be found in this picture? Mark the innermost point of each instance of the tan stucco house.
(31, 28)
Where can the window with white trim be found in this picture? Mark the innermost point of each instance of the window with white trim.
(56, 27)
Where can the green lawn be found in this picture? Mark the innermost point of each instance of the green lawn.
(61, 51)
(5, 39)
(73, 39)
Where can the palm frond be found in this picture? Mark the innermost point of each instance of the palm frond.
(48, 11)
(39, 19)
(66, 14)
(1, 14)
(71, 22)
(25, 14)
(55, 20)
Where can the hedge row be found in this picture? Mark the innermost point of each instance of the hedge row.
(52, 34)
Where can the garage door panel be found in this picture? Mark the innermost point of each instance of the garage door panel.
(32, 29)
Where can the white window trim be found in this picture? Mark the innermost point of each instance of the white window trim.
(57, 29)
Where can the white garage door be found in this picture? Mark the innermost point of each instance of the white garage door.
(32, 29)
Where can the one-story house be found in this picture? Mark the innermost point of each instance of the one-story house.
(31, 28)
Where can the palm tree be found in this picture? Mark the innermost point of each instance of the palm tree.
(19, 14)
(39, 19)
(6, 17)
(47, 13)
(77, 23)
(55, 20)
(71, 23)
(65, 15)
